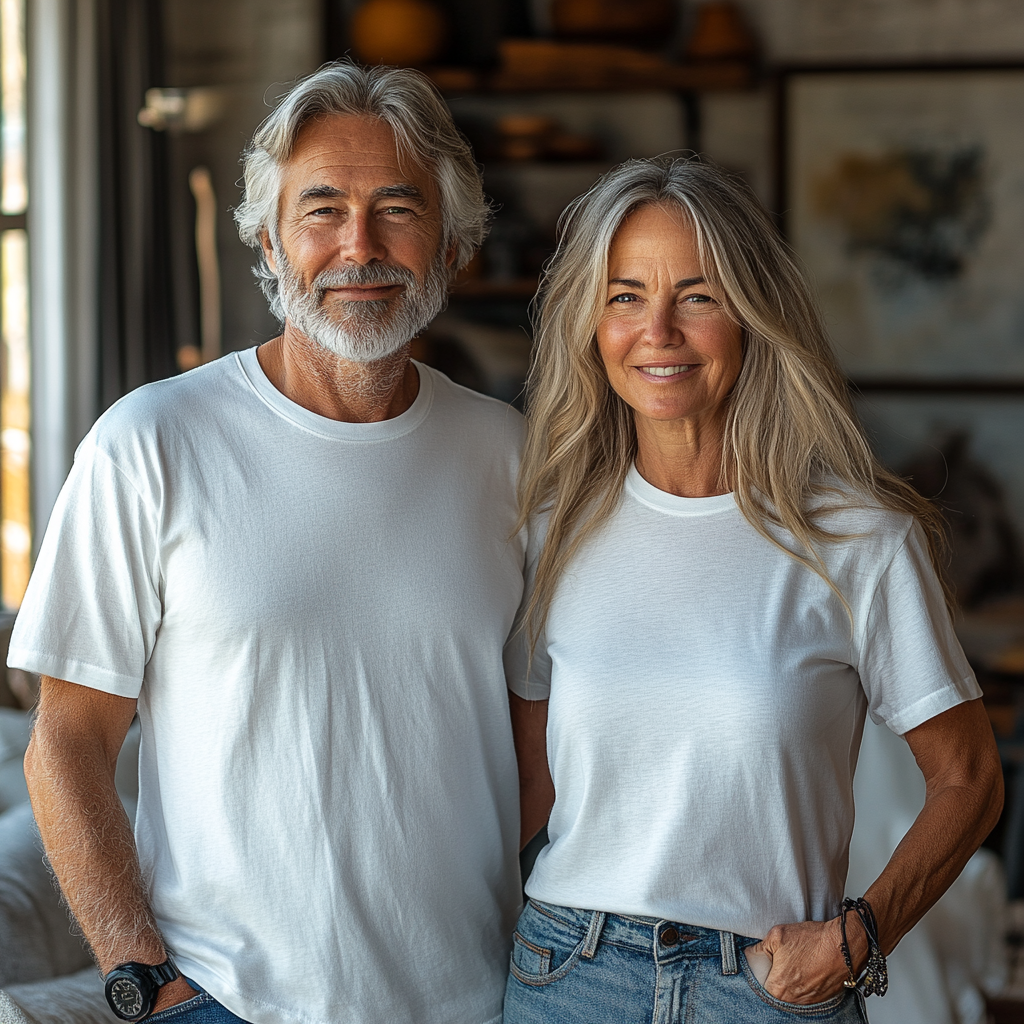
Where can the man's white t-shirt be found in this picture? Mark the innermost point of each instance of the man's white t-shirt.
(312, 615)
(707, 698)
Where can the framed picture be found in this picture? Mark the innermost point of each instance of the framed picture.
(902, 190)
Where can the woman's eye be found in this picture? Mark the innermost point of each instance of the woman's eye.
(621, 300)
(696, 300)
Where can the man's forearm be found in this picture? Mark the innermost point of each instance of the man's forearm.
(88, 840)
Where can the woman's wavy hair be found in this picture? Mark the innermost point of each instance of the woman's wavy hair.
(407, 102)
(793, 450)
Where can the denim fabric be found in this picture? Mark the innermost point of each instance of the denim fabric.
(200, 1009)
(576, 967)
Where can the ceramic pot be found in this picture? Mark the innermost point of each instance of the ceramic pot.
(612, 19)
(720, 33)
(406, 33)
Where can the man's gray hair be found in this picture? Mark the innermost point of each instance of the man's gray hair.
(408, 103)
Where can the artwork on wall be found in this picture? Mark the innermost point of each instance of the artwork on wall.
(903, 194)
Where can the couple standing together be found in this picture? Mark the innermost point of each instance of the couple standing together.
(362, 621)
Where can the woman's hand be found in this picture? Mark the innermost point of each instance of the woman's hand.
(807, 964)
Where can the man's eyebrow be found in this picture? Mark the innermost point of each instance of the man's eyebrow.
(400, 191)
(321, 192)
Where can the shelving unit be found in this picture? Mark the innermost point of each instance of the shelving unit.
(645, 108)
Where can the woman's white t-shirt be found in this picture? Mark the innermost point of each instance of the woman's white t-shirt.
(707, 697)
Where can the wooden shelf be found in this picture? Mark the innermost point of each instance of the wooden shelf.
(710, 76)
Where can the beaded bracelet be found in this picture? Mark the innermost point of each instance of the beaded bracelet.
(875, 976)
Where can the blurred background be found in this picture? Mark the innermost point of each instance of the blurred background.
(886, 136)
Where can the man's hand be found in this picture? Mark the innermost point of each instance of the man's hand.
(807, 959)
(174, 992)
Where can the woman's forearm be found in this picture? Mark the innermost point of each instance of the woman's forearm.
(536, 790)
(956, 751)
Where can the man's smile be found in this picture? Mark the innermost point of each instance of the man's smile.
(364, 292)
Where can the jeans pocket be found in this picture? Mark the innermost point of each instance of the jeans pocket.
(180, 1010)
(545, 947)
(821, 1009)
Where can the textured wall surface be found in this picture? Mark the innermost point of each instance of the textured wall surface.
(888, 29)
(738, 132)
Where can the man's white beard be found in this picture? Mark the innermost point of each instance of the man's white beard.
(367, 331)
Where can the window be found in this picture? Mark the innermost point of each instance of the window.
(15, 504)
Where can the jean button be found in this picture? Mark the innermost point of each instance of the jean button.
(669, 936)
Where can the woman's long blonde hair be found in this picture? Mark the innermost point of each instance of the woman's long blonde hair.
(791, 436)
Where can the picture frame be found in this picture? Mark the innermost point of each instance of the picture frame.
(902, 193)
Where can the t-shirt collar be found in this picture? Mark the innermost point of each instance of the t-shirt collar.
(663, 501)
(383, 430)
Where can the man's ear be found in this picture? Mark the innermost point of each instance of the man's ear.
(268, 250)
(453, 251)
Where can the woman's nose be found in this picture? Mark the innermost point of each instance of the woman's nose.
(662, 328)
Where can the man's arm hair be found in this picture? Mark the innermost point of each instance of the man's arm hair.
(69, 767)
(88, 839)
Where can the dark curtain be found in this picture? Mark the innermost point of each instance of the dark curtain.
(136, 311)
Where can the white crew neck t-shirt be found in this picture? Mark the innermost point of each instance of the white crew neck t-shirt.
(707, 700)
(312, 616)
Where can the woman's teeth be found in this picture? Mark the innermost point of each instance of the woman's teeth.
(664, 371)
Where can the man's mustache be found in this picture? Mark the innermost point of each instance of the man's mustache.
(373, 274)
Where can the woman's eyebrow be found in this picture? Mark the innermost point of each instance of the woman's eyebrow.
(629, 282)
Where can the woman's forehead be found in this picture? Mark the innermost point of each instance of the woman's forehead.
(655, 235)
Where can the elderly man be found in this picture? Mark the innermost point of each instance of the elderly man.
(296, 564)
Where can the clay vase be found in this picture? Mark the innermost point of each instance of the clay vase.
(720, 33)
(406, 33)
(625, 20)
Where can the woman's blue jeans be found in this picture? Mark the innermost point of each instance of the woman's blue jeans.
(585, 967)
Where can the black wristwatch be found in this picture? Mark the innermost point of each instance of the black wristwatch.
(131, 989)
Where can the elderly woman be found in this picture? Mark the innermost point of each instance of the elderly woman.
(728, 581)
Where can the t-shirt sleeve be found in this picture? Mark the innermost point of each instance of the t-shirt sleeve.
(528, 674)
(911, 664)
(92, 608)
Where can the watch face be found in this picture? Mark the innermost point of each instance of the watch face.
(126, 998)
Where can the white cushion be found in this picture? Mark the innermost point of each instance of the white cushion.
(36, 937)
(75, 999)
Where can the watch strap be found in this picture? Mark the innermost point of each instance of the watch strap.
(163, 973)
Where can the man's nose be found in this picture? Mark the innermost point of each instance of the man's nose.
(360, 241)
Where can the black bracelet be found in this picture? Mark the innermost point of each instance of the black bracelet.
(875, 976)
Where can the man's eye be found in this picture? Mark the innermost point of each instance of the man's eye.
(397, 209)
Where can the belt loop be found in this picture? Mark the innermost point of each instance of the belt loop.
(728, 943)
(593, 934)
